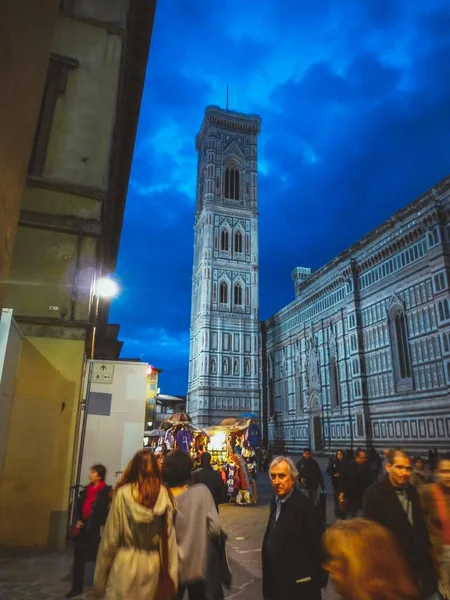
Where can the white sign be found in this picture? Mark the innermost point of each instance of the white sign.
(102, 373)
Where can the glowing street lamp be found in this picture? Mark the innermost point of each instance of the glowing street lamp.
(107, 288)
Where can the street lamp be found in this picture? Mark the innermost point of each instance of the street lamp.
(106, 288)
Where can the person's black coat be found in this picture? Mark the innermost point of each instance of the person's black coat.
(309, 470)
(334, 467)
(354, 481)
(213, 481)
(90, 535)
(382, 505)
(296, 551)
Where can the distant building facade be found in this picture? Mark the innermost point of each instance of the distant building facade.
(362, 355)
(224, 361)
(152, 392)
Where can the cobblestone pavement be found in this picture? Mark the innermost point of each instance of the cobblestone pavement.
(46, 576)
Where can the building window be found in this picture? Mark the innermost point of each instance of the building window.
(55, 85)
(334, 383)
(445, 343)
(444, 312)
(433, 237)
(399, 345)
(439, 282)
(223, 293)
(224, 240)
(238, 242)
(238, 294)
(232, 183)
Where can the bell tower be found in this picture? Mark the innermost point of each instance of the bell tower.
(224, 337)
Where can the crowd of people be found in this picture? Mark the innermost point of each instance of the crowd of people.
(395, 509)
(157, 535)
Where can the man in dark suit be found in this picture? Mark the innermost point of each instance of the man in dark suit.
(394, 503)
(310, 475)
(211, 478)
(354, 482)
(292, 550)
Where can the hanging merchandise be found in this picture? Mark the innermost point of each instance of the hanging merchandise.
(169, 439)
(183, 439)
(253, 435)
(231, 479)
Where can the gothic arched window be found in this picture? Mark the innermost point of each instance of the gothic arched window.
(444, 312)
(232, 183)
(223, 293)
(334, 383)
(238, 242)
(399, 345)
(238, 294)
(224, 240)
(445, 340)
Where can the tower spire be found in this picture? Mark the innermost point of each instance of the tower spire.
(227, 99)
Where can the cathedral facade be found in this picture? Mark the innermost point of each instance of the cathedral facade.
(362, 355)
(224, 361)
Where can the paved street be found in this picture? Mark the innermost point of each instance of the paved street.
(45, 576)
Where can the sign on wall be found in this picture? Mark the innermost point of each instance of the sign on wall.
(103, 373)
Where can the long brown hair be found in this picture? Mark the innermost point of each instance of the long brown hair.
(365, 563)
(144, 474)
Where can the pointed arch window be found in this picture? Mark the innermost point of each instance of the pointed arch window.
(400, 346)
(224, 240)
(444, 312)
(223, 293)
(232, 183)
(238, 294)
(334, 383)
(238, 242)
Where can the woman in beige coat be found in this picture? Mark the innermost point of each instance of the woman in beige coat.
(138, 552)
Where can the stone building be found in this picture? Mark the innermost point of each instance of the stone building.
(224, 340)
(26, 33)
(83, 65)
(362, 355)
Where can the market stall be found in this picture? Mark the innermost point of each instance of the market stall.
(233, 447)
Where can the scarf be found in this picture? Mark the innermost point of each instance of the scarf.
(443, 515)
(91, 496)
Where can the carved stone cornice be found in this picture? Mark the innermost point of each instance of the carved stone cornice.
(230, 120)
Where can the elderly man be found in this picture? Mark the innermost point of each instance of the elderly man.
(292, 550)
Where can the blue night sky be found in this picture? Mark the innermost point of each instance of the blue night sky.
(354, 97)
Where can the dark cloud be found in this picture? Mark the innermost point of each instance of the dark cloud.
(354, 103)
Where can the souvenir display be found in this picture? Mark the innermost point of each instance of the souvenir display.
(233, 446)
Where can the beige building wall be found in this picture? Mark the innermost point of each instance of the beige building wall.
(34, 485)
(26, 32)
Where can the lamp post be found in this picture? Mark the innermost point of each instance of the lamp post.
(105, 288)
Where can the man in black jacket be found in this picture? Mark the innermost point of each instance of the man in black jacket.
(394, 503)
(310, 475)
(292, 553)
(354, 482)
(211, 478)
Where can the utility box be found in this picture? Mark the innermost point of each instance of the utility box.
(116, 415)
